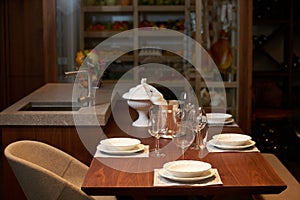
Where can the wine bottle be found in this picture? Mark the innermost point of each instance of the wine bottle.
(296, 61)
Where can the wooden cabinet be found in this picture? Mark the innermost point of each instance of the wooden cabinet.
(276, 56)
(194, 18)
(28, 48)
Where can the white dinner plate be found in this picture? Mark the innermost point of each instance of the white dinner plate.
(213, 122)
(139, 148)
(232, 139)
(218, 116)
(215, 143)
(187, 168)
(164, 173)
(120, 144)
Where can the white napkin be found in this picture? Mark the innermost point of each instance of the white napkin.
(161, 181)
(140, 154)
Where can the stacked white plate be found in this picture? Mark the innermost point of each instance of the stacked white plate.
(232, 141)
(120, 145)
(219, 118)
(186, 170)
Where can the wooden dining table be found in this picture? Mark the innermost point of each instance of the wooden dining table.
(241, 173)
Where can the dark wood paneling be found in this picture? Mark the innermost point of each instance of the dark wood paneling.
(49, 25)
(3, 57)
(25, 44)
(245, 65)
(28, 50)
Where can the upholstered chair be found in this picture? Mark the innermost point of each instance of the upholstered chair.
(45, 172)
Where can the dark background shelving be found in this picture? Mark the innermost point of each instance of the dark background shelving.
(276, 79)
(275, 51)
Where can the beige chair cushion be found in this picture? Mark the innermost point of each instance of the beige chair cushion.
(45, 172)
(293, 187)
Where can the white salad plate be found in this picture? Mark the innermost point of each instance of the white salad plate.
(187, 168)
(215, 143)
(120, 144)
(138, 148)
(164, 173)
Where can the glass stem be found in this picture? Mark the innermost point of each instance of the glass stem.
(182, 153)
(157, 145)
(197, 138)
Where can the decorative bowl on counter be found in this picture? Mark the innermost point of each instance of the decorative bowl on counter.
(138, 99)
(142, 107)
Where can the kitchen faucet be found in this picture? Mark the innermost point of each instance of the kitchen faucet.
(89, 98)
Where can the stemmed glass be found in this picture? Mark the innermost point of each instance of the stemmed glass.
(185, 105)
(198, 120)
(183, 136)
(202, 129)
(157, 128)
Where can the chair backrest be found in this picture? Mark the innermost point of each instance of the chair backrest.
(45, 172)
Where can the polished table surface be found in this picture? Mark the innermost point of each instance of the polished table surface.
(240, 172)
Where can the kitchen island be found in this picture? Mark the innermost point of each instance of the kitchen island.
(54, 125)
(59, 94)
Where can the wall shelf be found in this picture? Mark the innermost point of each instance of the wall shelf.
(193, 15)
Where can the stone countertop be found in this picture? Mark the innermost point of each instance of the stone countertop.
(59, 92)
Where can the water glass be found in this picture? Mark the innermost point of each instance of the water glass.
(183, 136)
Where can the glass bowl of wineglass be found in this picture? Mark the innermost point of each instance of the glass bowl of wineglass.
(157, 127)
(183, 136)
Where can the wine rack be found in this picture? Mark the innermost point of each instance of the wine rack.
(276, 53)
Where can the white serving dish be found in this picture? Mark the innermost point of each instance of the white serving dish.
(218, 117)
(187, 168)
(138, 92)
(232, 139)
(142, 107)
(138, 99)
(120, 144)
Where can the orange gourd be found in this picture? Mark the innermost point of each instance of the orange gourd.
(220, 52)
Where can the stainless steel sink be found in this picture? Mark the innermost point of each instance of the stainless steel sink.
(51, 106)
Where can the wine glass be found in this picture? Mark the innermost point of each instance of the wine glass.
(193, 122)
(198, 120)
(156, 128)
(183, 136)
(185, 105)
(203, 129)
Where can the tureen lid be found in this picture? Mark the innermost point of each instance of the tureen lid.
(138, 92)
